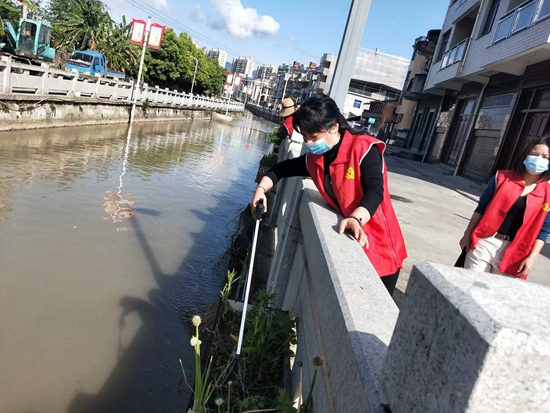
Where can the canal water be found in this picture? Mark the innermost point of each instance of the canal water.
(105, 245)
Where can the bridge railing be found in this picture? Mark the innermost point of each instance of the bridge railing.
(22, 79)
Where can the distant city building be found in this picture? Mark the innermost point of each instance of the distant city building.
(266, 71)
(218, 54)
(243, 65)
(296, 64)
(312, 65)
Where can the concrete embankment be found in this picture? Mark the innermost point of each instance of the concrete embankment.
(34, 112)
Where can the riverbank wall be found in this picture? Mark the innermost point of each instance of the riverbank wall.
(460, 342)
(40, 97)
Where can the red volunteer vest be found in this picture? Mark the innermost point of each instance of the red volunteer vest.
(509, 186)
(386, 244)
(288, 125)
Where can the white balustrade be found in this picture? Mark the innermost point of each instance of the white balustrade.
(23, 79)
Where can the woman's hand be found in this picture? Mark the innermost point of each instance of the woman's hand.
(526, 266)
(356, 230)
(258, 194)
(465, 241)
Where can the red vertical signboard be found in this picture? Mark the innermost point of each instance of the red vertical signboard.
(156, 33)
(137, 33)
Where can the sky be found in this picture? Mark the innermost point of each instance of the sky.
(276, 32)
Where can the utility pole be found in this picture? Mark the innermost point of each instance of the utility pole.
(343, 71)
(194, 74)
(136, 84)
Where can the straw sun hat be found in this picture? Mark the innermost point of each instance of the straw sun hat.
(287, 108)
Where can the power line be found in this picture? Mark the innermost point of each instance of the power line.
(174, 23)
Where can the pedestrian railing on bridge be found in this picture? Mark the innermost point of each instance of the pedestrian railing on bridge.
(23, 79)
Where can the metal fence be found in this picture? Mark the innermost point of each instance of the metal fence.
(22, 79)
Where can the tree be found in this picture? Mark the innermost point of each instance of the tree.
(79, 24)
(116, 47)
(9, 10)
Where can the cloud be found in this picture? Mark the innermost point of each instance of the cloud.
(198, 14)
(242, 22)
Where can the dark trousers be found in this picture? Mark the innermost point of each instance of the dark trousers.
(390, 281)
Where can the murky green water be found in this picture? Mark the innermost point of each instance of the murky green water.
(103, 245)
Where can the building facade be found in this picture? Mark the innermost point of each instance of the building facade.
(266, 71)
(218, 54)
(491, 68)
(413, 88)
(243, 65)
(376, 76)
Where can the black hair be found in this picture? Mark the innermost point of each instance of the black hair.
(520, 167)
(319, 113)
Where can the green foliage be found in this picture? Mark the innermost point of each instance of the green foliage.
(11, 10)
(173, 67)
(274, 136)
(79, 24)
(269, 159)
(268, 335)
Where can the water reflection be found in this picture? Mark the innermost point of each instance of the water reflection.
(90, 314)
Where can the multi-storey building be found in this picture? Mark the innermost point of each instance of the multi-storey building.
(218, 54)
(243, 65)
(376, 76)
(266, 71)
(413, 91)
(491, 67)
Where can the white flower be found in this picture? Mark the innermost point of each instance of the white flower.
(191, 411)
(196, 320)
(219, 401)
(230, 383)
(195, 341)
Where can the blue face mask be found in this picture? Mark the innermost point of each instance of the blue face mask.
(320, 146)
(535, 165)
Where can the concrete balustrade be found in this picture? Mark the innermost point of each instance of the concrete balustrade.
(462, 342)
(18, 79)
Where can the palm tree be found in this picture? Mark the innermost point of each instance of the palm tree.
(117, 49)
(7, 6)
(85, 27)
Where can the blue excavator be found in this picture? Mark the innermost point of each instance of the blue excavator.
(29, 42)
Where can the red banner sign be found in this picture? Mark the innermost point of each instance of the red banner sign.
(156, 33)
(137, 33)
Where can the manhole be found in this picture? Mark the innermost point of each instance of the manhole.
(401, 199)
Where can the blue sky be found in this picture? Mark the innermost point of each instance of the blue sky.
(276, 32)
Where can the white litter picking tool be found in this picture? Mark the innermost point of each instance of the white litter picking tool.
(259, 213)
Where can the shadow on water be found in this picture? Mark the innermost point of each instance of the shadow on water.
(147, 376)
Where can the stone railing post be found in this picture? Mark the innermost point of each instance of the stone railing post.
(468, 342)
(6, 78)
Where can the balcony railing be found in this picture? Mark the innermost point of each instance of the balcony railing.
(520, 18)
(454, 55)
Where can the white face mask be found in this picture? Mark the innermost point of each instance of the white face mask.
(535, 164)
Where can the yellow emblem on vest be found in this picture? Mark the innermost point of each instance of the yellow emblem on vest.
(350, 174)
(545, 207)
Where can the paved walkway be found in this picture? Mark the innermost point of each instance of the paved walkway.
(434, 214)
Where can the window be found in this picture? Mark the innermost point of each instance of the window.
(444, 43)
(544, 9)
(491, 17)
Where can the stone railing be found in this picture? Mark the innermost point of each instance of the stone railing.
(463, 341)
(17, 79)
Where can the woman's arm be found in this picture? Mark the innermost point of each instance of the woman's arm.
(285, 169)
(484, 200)
(372, 183)
(527, 264)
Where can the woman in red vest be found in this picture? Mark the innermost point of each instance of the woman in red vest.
(349, 171)
(511, 223)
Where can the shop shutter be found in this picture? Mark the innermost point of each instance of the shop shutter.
(479, 158)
